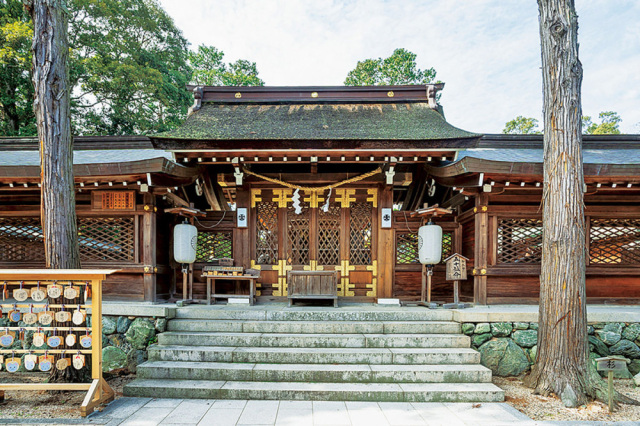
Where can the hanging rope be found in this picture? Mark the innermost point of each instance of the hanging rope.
(314, 189)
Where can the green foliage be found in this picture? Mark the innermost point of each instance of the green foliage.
(210, 70)
(128, 67)
(399, 68)
(16, 90)
(522, 126)
(609, 124)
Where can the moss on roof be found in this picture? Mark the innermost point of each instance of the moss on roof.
(399, 121)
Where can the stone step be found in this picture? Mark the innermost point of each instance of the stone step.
(345, 373)
(258, 313)
(315, 340)
(431, 356)
(329, 327)
(407, 392)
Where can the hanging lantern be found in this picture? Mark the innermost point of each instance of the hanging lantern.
(430, 244)
(185, 240)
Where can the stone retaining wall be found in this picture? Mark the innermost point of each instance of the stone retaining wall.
(125, 340)
(509, 348)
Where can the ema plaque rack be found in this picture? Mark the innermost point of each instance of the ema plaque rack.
(55, 303)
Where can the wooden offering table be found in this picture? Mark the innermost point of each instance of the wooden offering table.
(238, 293)
(313, 285)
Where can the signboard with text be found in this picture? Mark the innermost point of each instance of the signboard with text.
(456, 267)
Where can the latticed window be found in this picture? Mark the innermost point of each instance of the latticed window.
(361, 234)
(614, 241)
(298, 236)
(214, 245)
(104, 239)
(447, 245)
(407, 247)
(267, 233)
(519, 240)
(21, 239)
(101, 239)
(329, 236)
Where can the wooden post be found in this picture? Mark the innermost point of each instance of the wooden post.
(481, 249)
(386, 251)
(185, 294)
(242, 245)
(149, 247)
(423, 288)
(610, 376)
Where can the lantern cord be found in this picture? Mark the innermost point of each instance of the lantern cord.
(224, 213)
(314, 189)
(406, 221)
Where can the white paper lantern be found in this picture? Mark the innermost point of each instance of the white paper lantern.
(185, 240)
(430, 244)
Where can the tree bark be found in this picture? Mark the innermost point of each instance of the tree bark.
(562, 365)
(51, 106)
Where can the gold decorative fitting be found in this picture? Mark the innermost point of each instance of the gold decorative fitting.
(390, 94)
(314, 94)
(485, 208)
(147, 269)
(155, 209)
(147, 208)
(238, 95)
(474, 272)
(475, 210)
(155, 269)
(483, 271)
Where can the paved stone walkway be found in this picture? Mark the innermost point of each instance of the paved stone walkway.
(144, 411)
(151, 412)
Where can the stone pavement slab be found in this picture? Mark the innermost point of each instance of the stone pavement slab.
(166, 412)
(189, 411)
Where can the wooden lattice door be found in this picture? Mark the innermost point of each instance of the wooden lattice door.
(341, 238)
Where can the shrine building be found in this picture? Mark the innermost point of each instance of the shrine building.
(326, 179)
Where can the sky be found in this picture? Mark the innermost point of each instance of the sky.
(486, 52)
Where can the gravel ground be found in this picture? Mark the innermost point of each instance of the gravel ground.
(47, 404)
(551, 409)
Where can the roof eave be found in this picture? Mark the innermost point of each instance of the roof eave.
(465, 172)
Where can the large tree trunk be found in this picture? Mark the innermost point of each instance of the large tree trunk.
(51, 106)
(562, 364)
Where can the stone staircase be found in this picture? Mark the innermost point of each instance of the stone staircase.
(314, 353)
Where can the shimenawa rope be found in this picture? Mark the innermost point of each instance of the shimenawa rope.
(314, 189)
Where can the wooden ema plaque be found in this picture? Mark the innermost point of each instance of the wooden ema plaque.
(74, 331)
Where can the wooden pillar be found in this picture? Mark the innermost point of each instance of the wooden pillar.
(386, 251)
(242, 237)
(149, 247)
(481, 249)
